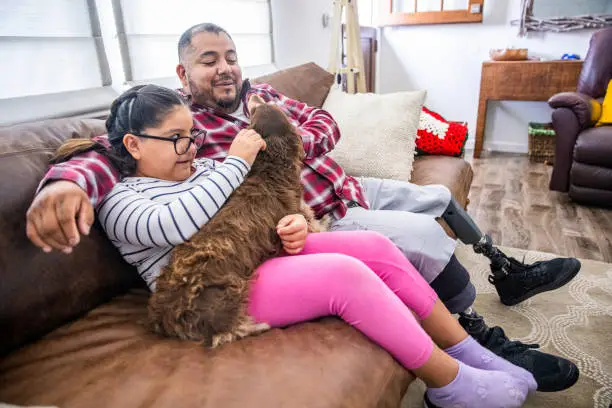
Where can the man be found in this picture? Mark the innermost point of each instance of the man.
(213, 86)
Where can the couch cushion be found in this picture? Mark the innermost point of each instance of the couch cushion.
(40, 291)
(594, 146)
(597, 68)
(453, 172)
(308, 83)
(587, 175)
(592, 196)
(436, 135)
(108, 359)
(378, 132)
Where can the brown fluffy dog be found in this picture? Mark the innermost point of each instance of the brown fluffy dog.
(202, 293)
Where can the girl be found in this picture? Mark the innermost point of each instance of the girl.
(166, 196)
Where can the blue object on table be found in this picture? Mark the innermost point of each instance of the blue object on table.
(570, 57)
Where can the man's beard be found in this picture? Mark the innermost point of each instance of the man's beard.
(203, 98)
(225, 104)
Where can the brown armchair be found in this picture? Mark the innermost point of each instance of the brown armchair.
(583, 153)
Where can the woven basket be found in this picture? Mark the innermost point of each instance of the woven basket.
(542, 143)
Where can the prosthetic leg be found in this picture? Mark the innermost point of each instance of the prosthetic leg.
(468, 232)
(513, 280)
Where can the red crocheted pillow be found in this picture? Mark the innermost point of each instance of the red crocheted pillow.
(436, 135)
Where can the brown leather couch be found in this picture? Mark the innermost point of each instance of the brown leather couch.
(583, 153)
(71, 332)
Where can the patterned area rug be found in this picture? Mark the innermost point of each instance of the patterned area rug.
(574, 322)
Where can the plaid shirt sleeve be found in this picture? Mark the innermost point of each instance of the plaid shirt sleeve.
(318, 129)
(91, 171)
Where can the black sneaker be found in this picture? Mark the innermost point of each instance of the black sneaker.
(552, 373)
(518, 281)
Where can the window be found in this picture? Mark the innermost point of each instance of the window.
(150, 30)
(409, 12)
(50, 48)
(73, 57)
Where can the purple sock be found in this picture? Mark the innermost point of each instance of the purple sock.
(480, 388)
(470, 352)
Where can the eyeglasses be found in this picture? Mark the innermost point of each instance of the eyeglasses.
(181, 143)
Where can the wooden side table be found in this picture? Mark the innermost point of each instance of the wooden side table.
(522, 81)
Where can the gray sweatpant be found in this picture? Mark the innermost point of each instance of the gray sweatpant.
(405, 213)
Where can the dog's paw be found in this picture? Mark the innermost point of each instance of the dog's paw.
(314, 225)
(322, 225)
(223, 338)
(248, 327)
(251, 329)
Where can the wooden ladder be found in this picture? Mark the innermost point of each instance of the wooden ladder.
(354, 70)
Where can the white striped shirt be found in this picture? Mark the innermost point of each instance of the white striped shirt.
(145, 218)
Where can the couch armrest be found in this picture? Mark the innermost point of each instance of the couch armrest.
(586, 109)
(567, 127)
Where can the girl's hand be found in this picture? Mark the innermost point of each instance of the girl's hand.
(292, 231)
(246, 145)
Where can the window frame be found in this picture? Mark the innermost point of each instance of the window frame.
(388, 17)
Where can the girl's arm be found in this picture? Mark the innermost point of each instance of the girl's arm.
(131, 217)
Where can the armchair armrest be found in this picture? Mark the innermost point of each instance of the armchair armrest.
(586, 109)
(567, 129)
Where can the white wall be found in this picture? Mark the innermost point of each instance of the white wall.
(298, 32)
(446, 60)
(443, 59)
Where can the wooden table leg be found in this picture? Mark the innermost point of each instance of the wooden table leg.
(480, 126)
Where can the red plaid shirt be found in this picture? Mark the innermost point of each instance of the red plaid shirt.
(326, 186)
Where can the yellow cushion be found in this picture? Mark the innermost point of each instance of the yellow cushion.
(606, 108)
(595, 111)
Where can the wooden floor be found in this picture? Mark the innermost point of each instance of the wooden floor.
(510, 200)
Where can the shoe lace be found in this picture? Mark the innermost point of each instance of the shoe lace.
(535, 272)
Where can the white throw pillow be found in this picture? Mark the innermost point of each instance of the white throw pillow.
(378, 132)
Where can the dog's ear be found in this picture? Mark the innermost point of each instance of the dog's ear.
(253, 103)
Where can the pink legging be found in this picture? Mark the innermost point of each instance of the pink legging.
(359, 276)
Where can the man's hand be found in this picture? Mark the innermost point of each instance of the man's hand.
(292, 231)
(253, 102)
(52, 216)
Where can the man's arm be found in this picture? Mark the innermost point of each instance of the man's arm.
(91, 171)
(68, 192)
(318, 129)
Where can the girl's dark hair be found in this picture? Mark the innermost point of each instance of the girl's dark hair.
(139, 107)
